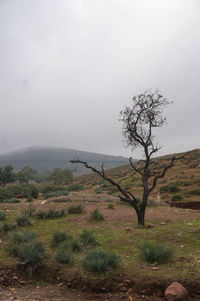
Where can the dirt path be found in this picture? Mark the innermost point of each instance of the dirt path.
(61, 293)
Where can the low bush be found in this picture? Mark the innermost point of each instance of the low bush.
(59, 237)
(2, 216)
(46, 188)
(23, 220)
(30, 211)
(173, 187)
(7, 227)
(76, 245)
(75, 187)
(60, 200)
(5, 194)
(24, 190)
(10, 201)
(41, 214)
(100, 262)
(96, 215)
(154, 253)
(75, 209)
(176, 197)
(87, 238)
(31, 256)
(56, 194)
(64, 256)
(111, 206)
(22, 237)
(50, 214)
(195, 192)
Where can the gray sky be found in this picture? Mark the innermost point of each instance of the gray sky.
(67, 68)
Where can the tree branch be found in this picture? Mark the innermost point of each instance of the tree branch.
(174, 158)
(128, 196)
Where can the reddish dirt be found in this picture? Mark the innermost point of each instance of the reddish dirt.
(185, 205)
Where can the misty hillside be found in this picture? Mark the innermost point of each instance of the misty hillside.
(44, 159)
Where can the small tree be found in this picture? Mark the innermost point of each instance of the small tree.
(26, 174)
(139, 120)
(62, 176)
(6, 175)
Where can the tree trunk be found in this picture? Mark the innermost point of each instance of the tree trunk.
(140, 216)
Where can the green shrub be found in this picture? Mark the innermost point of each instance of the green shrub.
(88, 238)
(31, 256)
(59, 237)
(64, 256)
(154, 253)
(41, 214)
(50, 214)
(164, 189)
(96, 215)
(23, 190)
(75, 187)
(30, 211)
(195, 192)
(111, 206)
(46, 188)
(173, 187)
(13, 250)
(56, 194)
(76, 246)
(60, 200)
(13, 200)
(100, 262)
(75, 209)
(4, 194)
(23, 220)
(176, 197)
(2, 216)
(22, 237)
(7, 227)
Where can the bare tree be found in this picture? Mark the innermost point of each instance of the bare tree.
(139, 120)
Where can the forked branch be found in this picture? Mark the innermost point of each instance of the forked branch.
(127, 196)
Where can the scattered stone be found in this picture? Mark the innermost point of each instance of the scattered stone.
(176, 292)
(155, 269)
(128, 229)
(163, 223)
(149, 226)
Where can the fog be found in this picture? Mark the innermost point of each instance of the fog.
(68, 67)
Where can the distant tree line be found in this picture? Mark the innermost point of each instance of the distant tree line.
(27, 174)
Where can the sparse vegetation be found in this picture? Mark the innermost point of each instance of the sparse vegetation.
(31, 256)
(2, 216)
(23, 220)
(88, 238)
(100, 262)
(60, 237)
(64, 256)
(74, 209)
(96, 215)
(5, 227)
(154, 254)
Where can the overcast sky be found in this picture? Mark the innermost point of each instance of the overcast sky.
(67, 68)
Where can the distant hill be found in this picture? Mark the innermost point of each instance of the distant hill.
(44, 159)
